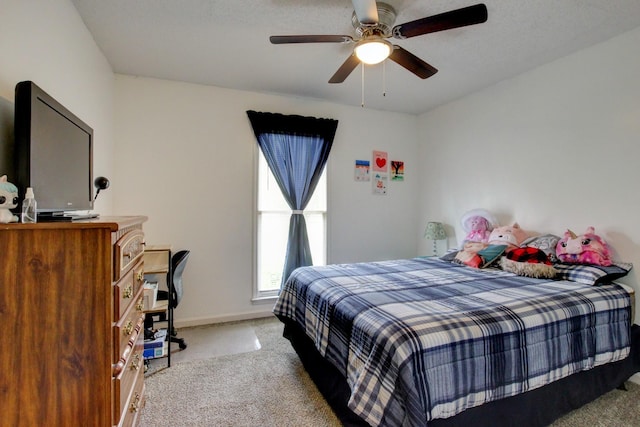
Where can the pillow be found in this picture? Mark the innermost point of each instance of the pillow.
(546, 243)
(592, 274)
(530, 262)
(491, 253)
(450, 256)
(469, 254)
(476, 254)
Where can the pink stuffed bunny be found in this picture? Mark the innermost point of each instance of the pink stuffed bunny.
(587, 248)
(480, 229)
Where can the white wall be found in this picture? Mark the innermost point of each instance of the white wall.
(169, 135)
(47, 42)
(552, 149)
(185, 157)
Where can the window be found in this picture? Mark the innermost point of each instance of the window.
(273, 229)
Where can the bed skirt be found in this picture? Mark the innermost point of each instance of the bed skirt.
(536, 408)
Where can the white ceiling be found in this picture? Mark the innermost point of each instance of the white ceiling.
(225, 43)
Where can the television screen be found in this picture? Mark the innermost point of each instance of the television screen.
(54, 152)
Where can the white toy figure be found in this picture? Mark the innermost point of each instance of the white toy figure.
(8, 200)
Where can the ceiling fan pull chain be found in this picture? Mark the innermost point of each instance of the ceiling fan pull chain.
(362, 86)
(384, 78)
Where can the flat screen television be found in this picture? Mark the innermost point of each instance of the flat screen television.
(53, 155)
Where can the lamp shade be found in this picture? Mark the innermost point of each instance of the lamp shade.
(435, 231)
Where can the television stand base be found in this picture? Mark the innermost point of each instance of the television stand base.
(66, 216)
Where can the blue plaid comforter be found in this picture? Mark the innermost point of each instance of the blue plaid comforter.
(421, 339)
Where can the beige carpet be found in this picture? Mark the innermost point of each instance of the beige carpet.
(270, 388)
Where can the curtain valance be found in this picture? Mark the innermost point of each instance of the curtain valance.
(292, 125)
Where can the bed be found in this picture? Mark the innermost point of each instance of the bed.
(427, 342)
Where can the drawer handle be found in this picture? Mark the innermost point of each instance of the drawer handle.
(128, 292)
(135, 405)
(140, 305)
(135, 362)
(128, 328)
(140, 276)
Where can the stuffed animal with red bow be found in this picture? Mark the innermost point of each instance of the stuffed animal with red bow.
(480, 229)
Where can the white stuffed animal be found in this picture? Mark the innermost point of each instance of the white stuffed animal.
(8, 200)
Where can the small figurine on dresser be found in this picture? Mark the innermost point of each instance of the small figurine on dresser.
(8, 200)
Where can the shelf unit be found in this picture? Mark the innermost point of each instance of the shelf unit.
(157, 262)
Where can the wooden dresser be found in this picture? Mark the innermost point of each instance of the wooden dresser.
(72, 323)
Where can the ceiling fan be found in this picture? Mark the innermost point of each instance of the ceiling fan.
(373, 22)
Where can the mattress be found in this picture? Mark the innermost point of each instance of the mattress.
(425, 339)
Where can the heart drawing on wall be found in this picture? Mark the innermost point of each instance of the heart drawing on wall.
(379, 161)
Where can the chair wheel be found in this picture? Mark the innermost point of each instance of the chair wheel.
(182, 345)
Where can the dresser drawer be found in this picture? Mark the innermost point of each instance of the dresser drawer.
(127, 329)
(128, 387)
(128, 250)
(127, 288)
(131, 414)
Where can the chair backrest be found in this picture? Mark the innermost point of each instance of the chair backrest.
(178, 263)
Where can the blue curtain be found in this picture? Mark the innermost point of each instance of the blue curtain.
(296, 149)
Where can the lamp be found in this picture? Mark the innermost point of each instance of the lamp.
(435, 232)
(373, 50)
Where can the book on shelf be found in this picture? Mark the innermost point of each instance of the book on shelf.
(149, 295)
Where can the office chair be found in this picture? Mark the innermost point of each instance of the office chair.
(174, 283)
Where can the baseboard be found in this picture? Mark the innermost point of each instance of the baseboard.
(635, 378)
(185, 323)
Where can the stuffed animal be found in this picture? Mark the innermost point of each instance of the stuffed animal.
(528, 261)
(546, 243)
(477, 223)
(587, 248)
(8, 200)
(469, 254)
(480, 229)
(510, 235)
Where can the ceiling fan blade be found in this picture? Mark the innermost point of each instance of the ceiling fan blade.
(366, 11)
(345, 69)
(310, 39)
(470, 15)
(412, 63)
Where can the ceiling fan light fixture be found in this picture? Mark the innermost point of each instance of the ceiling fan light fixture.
(373, 51)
